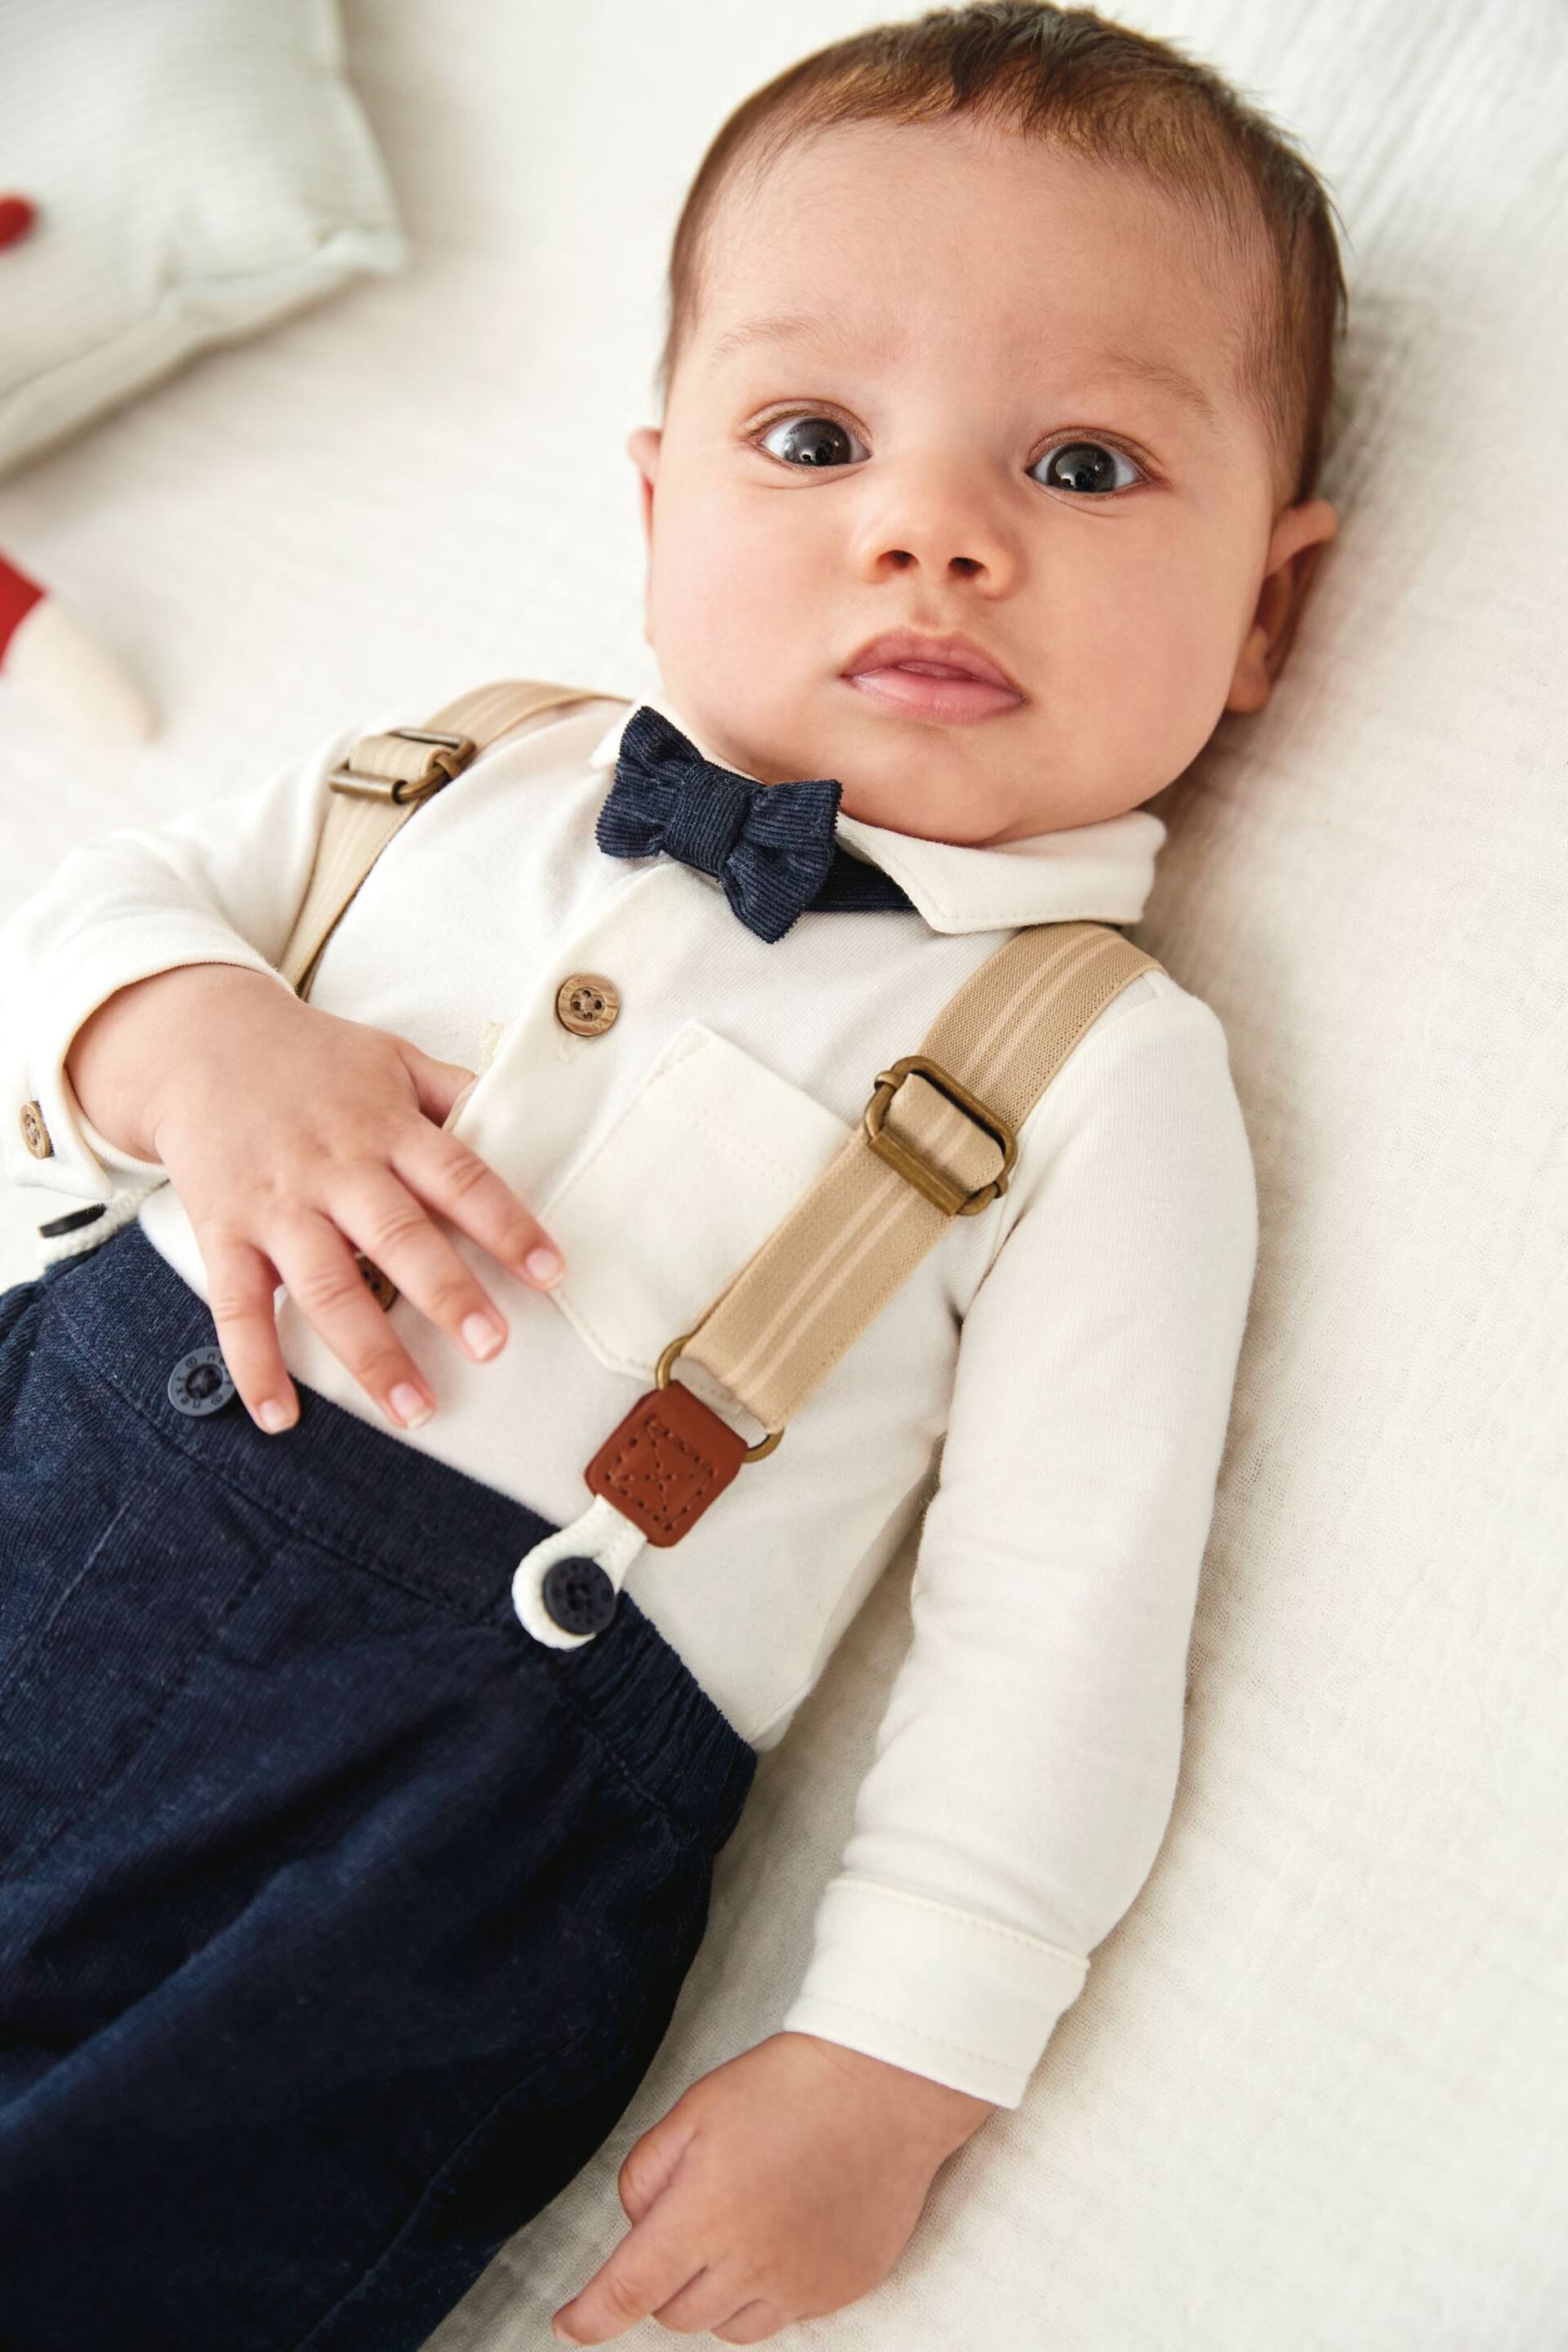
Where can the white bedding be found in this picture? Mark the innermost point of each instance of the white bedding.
(1313, 2094)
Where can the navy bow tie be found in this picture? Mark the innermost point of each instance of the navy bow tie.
(772, 847)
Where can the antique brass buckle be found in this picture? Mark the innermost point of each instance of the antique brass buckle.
(662, 1379)
(449, 759)
(948, 1196)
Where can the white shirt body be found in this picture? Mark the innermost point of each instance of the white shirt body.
(1051, 1386)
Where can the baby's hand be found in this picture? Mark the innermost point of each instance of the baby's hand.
(780, 2186)
(294, 1138)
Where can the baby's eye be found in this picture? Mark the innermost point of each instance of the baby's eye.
(817, 440)
(1086, 467)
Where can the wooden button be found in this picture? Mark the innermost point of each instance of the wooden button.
(35, 1134)
(588, 1003)
(381, 1287)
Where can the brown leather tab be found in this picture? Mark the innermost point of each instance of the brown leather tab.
(663, 1464)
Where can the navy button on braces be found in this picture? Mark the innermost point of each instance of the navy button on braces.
(578, 1595)
(200, 1381)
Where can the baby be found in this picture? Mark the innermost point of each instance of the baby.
(999, 357)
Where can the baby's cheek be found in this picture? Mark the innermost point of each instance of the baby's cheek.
(717, 597)
(1183, 652)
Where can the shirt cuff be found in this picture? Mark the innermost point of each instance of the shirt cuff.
(81, 1162)
(948, 1993)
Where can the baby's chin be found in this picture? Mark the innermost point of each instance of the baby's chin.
(935, 784)
(967, 817)
(973, 816)
(978, 793)
(936, 791)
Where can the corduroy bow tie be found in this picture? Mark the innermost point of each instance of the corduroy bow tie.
(772, 847)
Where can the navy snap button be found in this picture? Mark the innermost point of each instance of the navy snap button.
(200, 1381)
(579, 1595)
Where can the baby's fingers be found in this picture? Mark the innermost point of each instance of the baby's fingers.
(329, 1290)
(647, 2269)
(449, 1175)
(397, 1234)
(241, 1280)
(754, 2322)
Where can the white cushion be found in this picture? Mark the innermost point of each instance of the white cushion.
(200, 168)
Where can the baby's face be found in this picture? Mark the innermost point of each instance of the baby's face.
(943, 441)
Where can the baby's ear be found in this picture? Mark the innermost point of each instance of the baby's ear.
(1300, 534)
(643, 448)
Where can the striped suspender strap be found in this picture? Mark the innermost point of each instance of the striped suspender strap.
(384, 778)
(938, 1140)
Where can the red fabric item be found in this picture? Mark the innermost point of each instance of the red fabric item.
(17, 218)
(18, 594)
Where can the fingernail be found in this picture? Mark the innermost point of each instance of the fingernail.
(560, 2334)
(409, 1405)
(273, 1416)
(545, 1266)
(481, 1336)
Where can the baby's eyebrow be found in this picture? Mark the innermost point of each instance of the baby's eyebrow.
(788, 326)
(829, 333)
(1164, 377)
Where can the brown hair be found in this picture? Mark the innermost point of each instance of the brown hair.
(1109, 94)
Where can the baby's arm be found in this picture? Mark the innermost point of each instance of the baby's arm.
(1025, 1767)
(151, 1036)
(220, 885)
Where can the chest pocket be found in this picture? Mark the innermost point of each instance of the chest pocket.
(709, 1152)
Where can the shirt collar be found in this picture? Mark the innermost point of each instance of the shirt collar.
(1099, 873)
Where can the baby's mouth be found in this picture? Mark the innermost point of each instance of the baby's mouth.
(931, 674)
(933, 690)
(931, 670)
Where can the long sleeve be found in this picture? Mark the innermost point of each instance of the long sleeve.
(220, 885)
(1025, 1765)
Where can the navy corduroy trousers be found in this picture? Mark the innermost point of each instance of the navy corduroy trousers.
(340, 1919)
